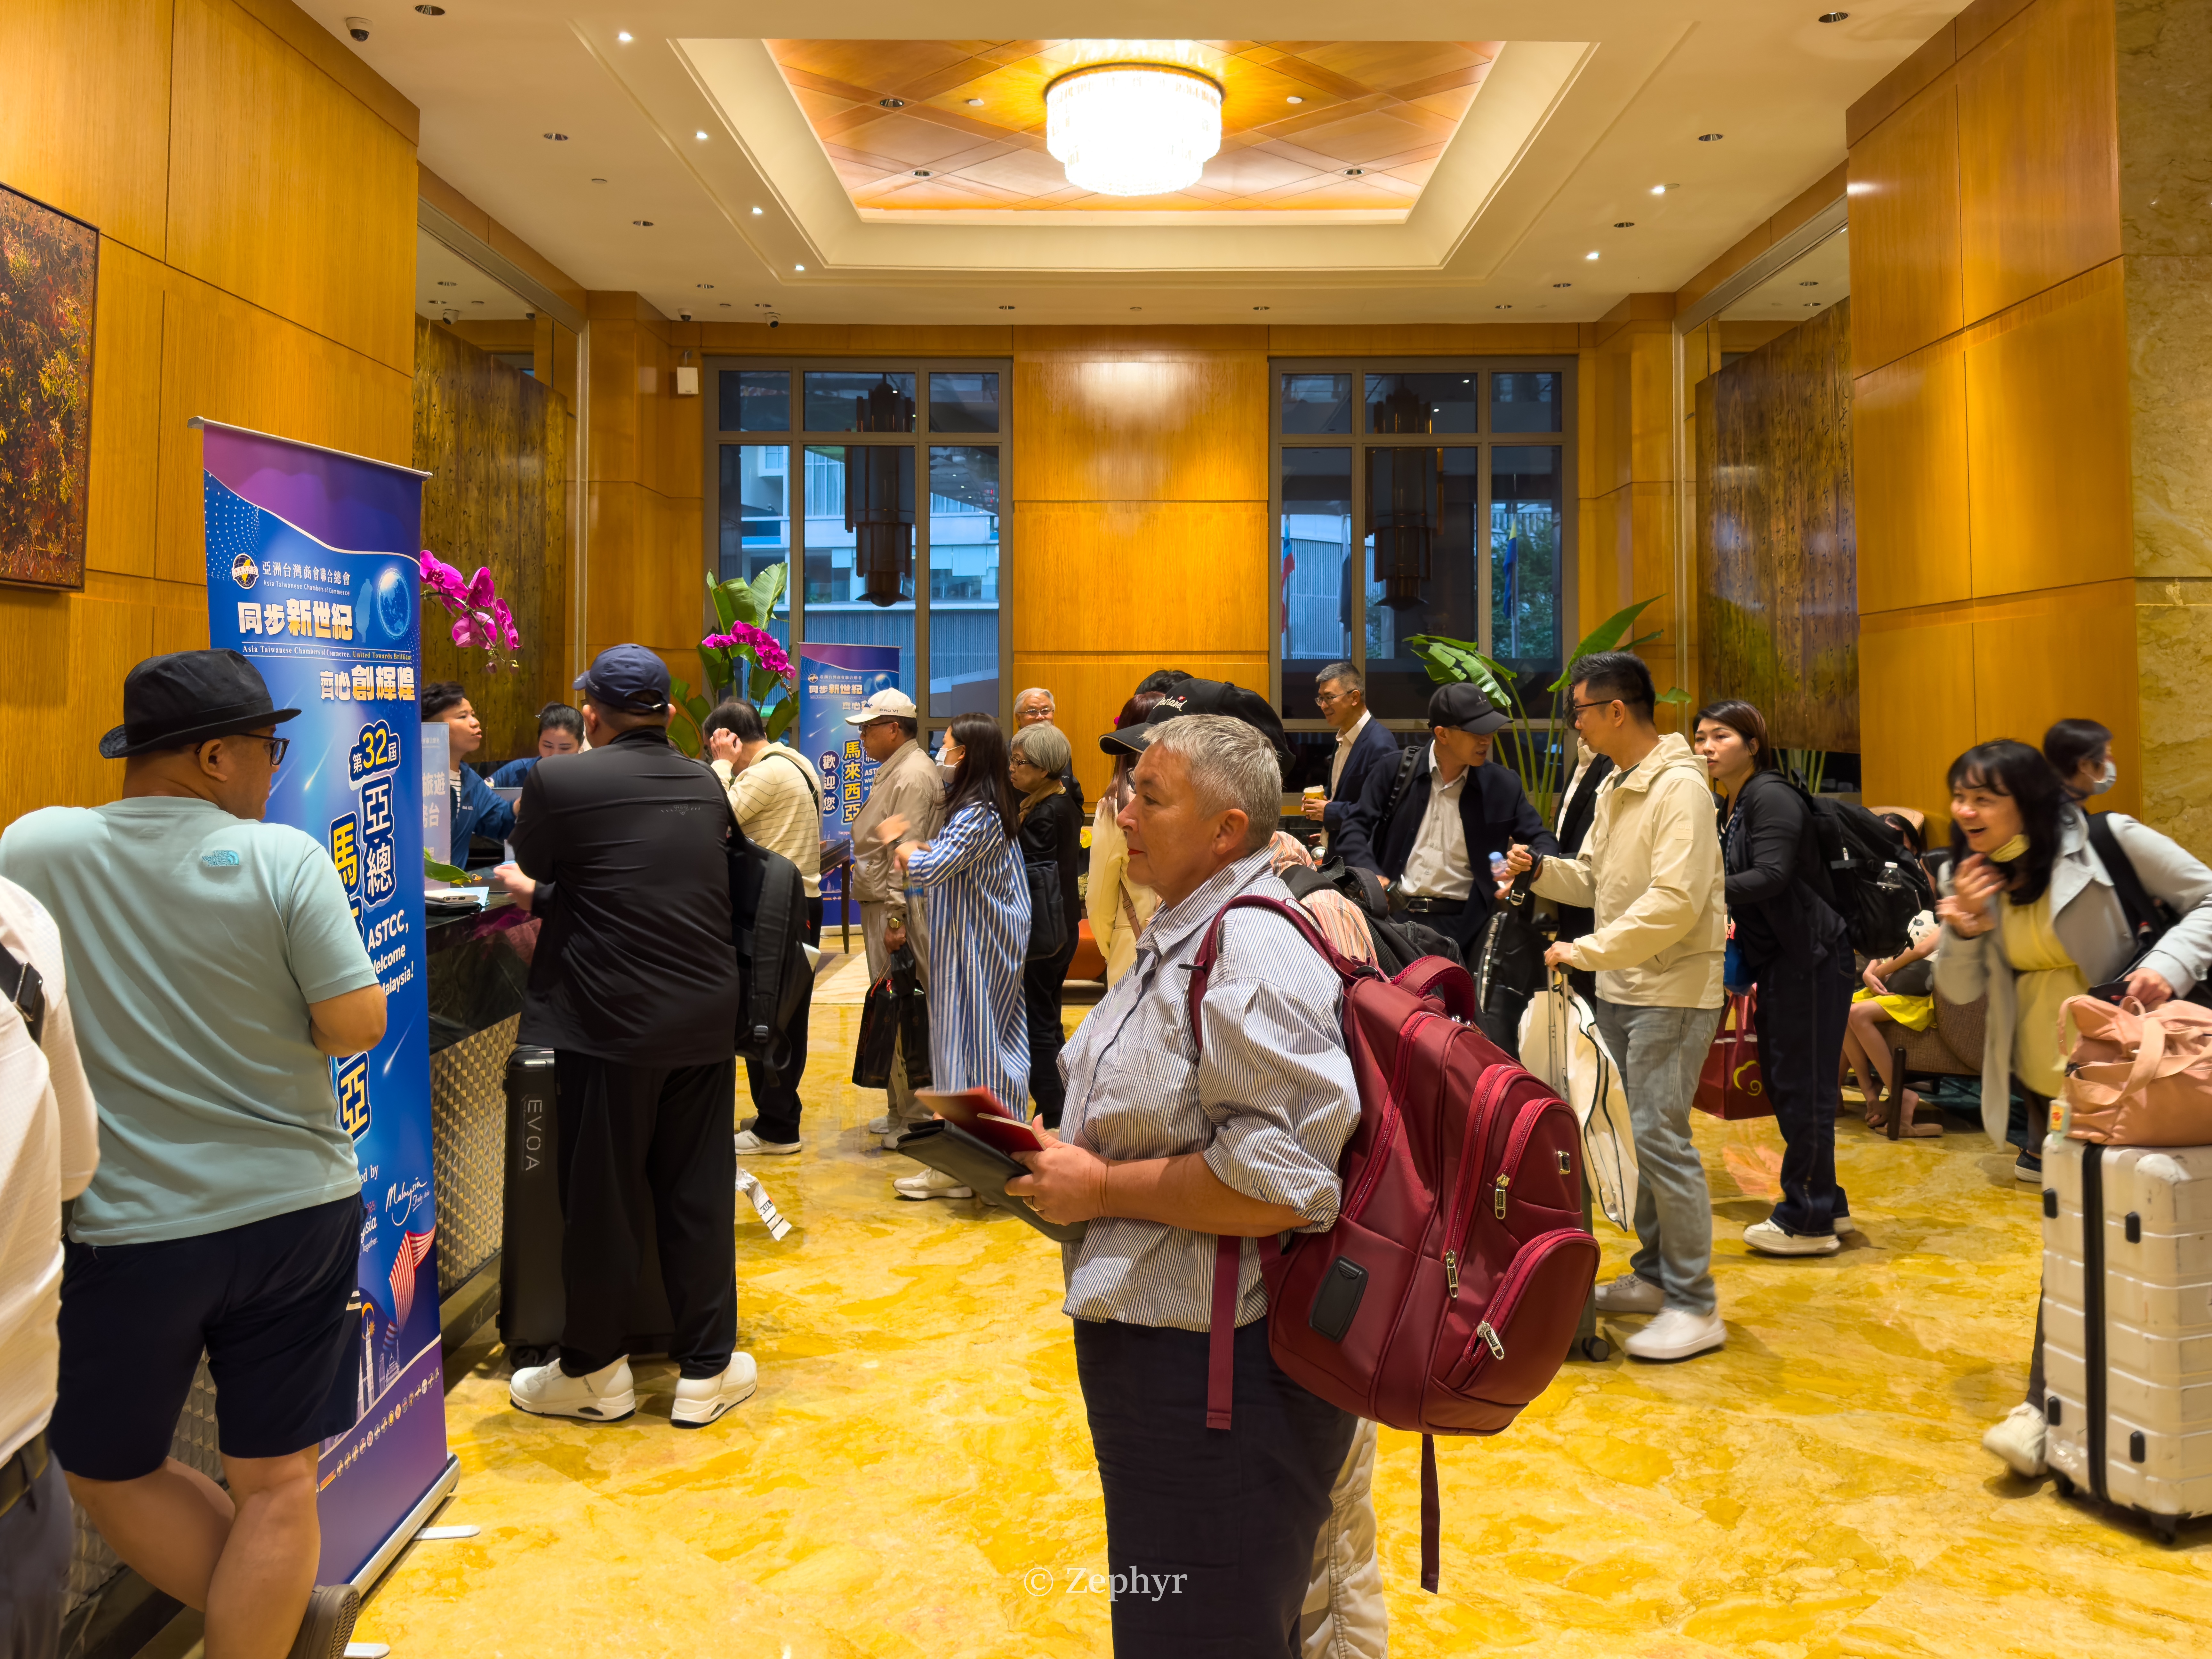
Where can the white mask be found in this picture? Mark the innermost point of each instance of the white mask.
(2112, 776)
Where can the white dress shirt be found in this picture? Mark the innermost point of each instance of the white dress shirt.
(1344, 742)
(1439, 866)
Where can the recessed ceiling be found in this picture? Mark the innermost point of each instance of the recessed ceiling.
(448, 287)
(1586, 106)
(1346, 130)
(1804, 287)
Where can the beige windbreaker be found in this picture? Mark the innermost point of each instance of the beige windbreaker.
(1651, 868)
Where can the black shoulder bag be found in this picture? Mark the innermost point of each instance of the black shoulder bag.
(2148, 919)
(25, 990)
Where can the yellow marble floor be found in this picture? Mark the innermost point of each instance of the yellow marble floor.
(915, 1464)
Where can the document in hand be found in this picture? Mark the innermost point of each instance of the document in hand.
(984, 1115)
(976, 1163)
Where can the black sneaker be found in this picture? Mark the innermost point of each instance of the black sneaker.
(2029, 1167)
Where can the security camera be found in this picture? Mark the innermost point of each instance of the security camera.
(357, 27)
(684, 316)
(530, 316)
(775, 322)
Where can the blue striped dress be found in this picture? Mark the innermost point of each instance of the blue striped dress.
(979, 930)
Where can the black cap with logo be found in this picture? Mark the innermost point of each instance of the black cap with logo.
(1201, 697)
(190, 696)
(1464, 706)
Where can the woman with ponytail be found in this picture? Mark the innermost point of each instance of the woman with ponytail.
(2030, 918)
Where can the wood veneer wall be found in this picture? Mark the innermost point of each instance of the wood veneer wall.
(254, 188)
(496, 443)
(1991, 410)
(1777, 584)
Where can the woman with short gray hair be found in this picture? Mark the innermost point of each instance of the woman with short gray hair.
(1051, 833)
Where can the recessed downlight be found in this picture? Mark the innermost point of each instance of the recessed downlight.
(646, 224)
(623, 36)
(799, 267)
(1005, 308)
(1294, 99)
(974, 103)
(1661, 190)
(1709, 137)
(599, 181)
(921, 173)
(431, 11)
(1592, 254)
(704, 285)
(1262, 307)
(1624, 224)
(699, 135)
(442, 282)
(1503, 307)
(756, 213)
(558, 137)
(892, 103)
(1563, 285)
(1353, 173)
(1833, 16)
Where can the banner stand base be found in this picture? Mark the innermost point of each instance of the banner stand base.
(412, 1523)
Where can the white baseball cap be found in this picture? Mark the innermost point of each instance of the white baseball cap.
(890, 703)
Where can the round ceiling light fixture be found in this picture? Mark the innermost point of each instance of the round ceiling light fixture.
(1132, 128)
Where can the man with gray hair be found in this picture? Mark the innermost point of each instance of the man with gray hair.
(1034, 706)
(1162, 1156)
(1363, 744)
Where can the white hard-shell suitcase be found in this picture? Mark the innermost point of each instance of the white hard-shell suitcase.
(2127, 1325)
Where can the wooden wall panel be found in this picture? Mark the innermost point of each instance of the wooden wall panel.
(2048, 467)
(84, 111)
(1906, 285)
(126, 402)
(1141, 576)
(2038, 155)
(1090, 427)
(1908, 470)
(1777, 573)
(286, 190)
(1090, 691)
(65, 657)
(495, 441)
(1915, 708)
(2065, 652)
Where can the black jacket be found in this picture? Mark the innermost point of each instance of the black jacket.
(1375, 748)
(1773, 855)
(1052, 834)
(1494, 812)
(636, 963)
(1575, 823)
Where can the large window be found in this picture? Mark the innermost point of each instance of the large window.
(879, 484)
(1424, 497)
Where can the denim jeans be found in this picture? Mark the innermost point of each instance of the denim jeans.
(1659, 1052)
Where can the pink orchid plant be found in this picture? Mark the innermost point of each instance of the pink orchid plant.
(481, 620)
(743, 659)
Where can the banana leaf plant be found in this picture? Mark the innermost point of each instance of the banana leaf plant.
(743, 647)
(1541, 745)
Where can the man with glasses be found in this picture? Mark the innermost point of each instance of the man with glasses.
(1651, 871)
(1363, 745)
(215, 971)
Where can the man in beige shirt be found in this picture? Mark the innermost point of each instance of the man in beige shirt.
(906, 785)
(778, 805)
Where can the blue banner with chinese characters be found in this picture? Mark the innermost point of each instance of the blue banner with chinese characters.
(834, 681)
(334, 630)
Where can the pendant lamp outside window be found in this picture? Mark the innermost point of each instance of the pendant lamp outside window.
(879, 510)
(1401, 506)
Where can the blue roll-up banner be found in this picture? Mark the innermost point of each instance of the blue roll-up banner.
(313, 574)
(834, 681)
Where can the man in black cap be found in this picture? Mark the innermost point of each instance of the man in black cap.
(624, 851)
(215, 969)
(1428, 825)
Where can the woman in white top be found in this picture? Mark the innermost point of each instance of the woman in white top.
(1118, 908)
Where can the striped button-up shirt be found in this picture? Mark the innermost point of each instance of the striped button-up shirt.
(1270, 1104)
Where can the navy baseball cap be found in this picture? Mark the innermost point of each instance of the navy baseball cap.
(1464, 706)
(1202, 697)
(627, 678)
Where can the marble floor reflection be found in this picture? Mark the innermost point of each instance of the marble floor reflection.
(914, 1476)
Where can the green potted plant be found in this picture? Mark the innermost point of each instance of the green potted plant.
(743, 646)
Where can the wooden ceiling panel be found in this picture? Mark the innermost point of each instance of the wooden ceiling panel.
(1386, 106)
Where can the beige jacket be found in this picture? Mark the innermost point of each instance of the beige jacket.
(777, 805)
(1651, 868)
(906, 785)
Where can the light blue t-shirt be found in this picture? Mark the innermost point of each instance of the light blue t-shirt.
(195, 941)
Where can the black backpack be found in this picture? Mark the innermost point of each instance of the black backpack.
(768, 918)
(1875, 883)
(1400, 941)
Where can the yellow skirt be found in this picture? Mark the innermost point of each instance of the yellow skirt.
(1913, 1013)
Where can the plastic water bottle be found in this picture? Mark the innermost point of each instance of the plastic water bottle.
(1497, 867)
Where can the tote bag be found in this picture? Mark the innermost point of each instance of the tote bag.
(1730, 1086)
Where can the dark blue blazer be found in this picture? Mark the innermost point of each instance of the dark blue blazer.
(1494, 813)
(1375, 749)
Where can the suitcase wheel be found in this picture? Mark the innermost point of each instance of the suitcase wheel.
(1596, 1349)
(2166, 1526)
(2064, 1484)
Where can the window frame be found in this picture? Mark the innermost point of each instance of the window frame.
(921, 441)
(1360, 442)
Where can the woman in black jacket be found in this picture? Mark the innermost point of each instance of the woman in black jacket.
(1051, 833)
(1794, 946)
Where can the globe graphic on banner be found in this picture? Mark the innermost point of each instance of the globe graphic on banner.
(380, 610)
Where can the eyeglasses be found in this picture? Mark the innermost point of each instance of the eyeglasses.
(1583, 709)
(277, 747)
(1329, 699)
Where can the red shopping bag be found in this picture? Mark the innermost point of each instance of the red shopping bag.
(1731, 1087)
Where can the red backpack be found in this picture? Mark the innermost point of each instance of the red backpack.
(1445, 1296)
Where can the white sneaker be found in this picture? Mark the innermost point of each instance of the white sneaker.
(1844, 1225)
(931, 1183)
(880, 1125)
(606, 1396)
(2017, 1438)
(701, 1399)
(1677, 1333)
(1630, 1294)
(1768, 1239)
(751, 1146)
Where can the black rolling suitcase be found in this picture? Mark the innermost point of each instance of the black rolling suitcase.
(532, 1305)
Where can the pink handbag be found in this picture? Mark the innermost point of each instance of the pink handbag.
(2138, 1077)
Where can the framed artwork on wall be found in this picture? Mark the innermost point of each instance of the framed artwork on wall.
(49, 270)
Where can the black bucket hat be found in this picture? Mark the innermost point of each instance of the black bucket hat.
(190, 696)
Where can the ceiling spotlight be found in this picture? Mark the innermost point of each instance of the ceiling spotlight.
(1624, 224)
(623, 36)
(431, 11)
(799, 267)
(599, 181)
(1261, 307)
(1005, 308)
(645, 223)
(558, 137)
(1708, 138)
(1505, 307)
(1592, 254)
(1563, 285)
(1136, 307)
(1294, 99)
(442, 282)
(475, 302)
(704, 285)
(1353, 173)
(921, 173)
(1132, 128)
(1660, 190)
(725, 304)
(698, 134)
(1809, 284)
(763, 305)
(756, 213)
(974, 103)
(1833, 16)
(892, 103)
